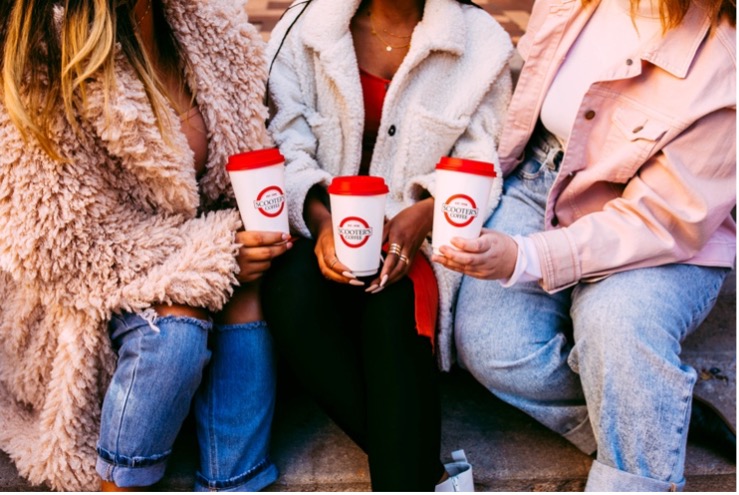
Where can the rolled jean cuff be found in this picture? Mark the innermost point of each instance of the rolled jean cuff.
(582, 437)
(260, 476)
(604, 478)
(130, 472)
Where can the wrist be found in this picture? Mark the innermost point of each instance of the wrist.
(511, 256)
(319, 223)
(426, 209)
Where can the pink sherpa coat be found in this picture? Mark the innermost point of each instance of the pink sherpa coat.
(121, 226)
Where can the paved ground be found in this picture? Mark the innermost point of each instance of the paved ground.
(511, 14)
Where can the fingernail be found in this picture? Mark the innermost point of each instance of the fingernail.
(289, 245)
(379, 289)
(371, 288)
(383, 281)
(358, 283)
(349, 275)
(285, 237)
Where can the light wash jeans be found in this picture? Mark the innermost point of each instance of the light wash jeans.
(161, 363)
(597, 363)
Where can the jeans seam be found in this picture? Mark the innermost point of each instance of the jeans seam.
(685, 402)
(211, 429)
(202, 324)
(694, 321)
(233, 327)
(128, 395)
(115, 459)
(241, 479)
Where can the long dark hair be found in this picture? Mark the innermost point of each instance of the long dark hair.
(672, 12)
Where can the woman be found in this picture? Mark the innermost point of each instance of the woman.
(619, 205)
(119, 260)
(383, 88)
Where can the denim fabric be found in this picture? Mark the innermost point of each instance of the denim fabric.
(160, 365)
(598, 363)
(233, 410)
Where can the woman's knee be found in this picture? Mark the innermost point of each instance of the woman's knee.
(243, 307)
(518, 367)
(179, 344)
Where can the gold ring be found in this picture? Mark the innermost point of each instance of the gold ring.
(404, 259)
(394, 249)
(331, 265)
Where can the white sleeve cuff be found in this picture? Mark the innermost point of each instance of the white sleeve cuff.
(528, 268)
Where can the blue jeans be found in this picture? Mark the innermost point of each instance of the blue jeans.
(161, 363)
(597, 363)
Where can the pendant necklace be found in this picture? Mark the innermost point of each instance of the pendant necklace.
(388, 47)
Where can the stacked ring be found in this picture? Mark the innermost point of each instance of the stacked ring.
(394, 249)
(404, 259)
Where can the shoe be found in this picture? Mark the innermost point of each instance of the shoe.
(710, 427)
(460, 475)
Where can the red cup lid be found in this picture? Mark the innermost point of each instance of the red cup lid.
(467, 166)
(358, 185)
(254, 159)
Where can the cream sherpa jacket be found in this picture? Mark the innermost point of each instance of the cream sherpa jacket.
(119, 227)
(448, 97)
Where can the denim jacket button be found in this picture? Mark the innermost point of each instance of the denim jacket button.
(391, 130)
(589, 115)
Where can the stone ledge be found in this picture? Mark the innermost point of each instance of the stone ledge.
(509, 451)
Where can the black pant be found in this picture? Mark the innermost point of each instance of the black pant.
(361, 359)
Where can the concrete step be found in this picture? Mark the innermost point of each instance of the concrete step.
(509, 451)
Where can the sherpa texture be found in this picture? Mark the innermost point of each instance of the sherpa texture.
(120, 226)
(449, 97)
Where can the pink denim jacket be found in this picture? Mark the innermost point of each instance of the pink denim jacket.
(649, 176)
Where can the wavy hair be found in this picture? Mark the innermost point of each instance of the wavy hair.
(672, 12)
(47, 59)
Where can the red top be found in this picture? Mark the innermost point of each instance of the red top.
(374, 89)
(425, 288)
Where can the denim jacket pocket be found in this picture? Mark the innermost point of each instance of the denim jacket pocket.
(633, 141)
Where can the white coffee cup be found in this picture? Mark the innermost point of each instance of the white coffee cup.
(358, 216)
(461, 198)
(258, 180)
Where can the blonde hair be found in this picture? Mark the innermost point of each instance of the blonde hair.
(672, 12)
(42, 67)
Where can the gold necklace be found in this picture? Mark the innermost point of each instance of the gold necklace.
(146, 12)
(388, 46)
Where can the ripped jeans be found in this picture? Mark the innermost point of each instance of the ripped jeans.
(162, 361)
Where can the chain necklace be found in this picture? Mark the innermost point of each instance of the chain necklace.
(146, 12)
(388, 47)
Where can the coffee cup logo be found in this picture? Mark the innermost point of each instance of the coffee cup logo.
(354, 232)
(270, 202)
(460, 210)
